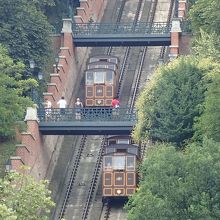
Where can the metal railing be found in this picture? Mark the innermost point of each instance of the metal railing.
(86, 114)
(121, 28)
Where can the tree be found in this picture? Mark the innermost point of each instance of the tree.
(160, 174)
(24, 30)
(192, 2)
(169, 103)
(207, 46)
(24, 198)
(12, 102)
(63, 9)
(7, 213)
(206, 15)
(208, 124)
(178, 185)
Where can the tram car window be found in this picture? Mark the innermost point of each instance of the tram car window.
(101, 80)
(119, 174)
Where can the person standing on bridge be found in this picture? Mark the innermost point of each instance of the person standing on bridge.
(78, 108)
(115, 102)
(115, 105)
(62, 105)
(48, 106)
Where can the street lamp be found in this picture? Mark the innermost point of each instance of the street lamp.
(32, 64)
(40, 75)
(8, 166)
(57, 59)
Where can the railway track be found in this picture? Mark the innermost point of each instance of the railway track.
(72, 176)
(67, 207)
(112, 212)
(70, 208)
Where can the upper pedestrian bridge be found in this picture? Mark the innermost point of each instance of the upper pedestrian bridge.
(121, 34)
(90, 121)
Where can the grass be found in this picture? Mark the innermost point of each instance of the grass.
(7, 149)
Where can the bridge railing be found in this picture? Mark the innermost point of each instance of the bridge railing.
(86, 114)
(120, 28)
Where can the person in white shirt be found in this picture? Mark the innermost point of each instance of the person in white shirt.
(48, 106)
(62, 105)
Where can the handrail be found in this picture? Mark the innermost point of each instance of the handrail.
(86, 114)
(121, 28)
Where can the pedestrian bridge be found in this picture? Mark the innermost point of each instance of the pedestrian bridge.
(121, 34)
(90, 121)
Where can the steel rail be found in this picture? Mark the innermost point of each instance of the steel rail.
(117, 21)
(73, 174)
(72, 177)
(137, 81)
(123, 69)
(94, 179)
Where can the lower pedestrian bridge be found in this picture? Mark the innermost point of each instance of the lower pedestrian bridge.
(91, 121)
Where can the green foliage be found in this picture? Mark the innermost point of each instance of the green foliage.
(207, 46)
(206, 15)
(208, 124)
(24, 30)
(7, 213)
(192, 2)
(178, 185)
(12, 87)
(7, 149)
(169, 103)
(24, 198)
(62, 9)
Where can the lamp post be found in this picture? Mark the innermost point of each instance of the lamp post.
(57, 59)
(8, 166)
(40, 75)
(34, 92)
(31, 64)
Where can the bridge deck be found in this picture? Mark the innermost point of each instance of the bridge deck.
(86, 128)
(123, 40)
(92, 121)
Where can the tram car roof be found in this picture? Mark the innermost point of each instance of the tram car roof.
(122, 148)
(106, 58)
(119, 137)
(100, 64)
(100, 70)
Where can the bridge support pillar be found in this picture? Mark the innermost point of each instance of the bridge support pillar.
(175, 38)
(182, 8)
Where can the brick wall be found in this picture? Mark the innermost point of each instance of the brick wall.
(185, 44)
(41, 152)
(90, 9)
